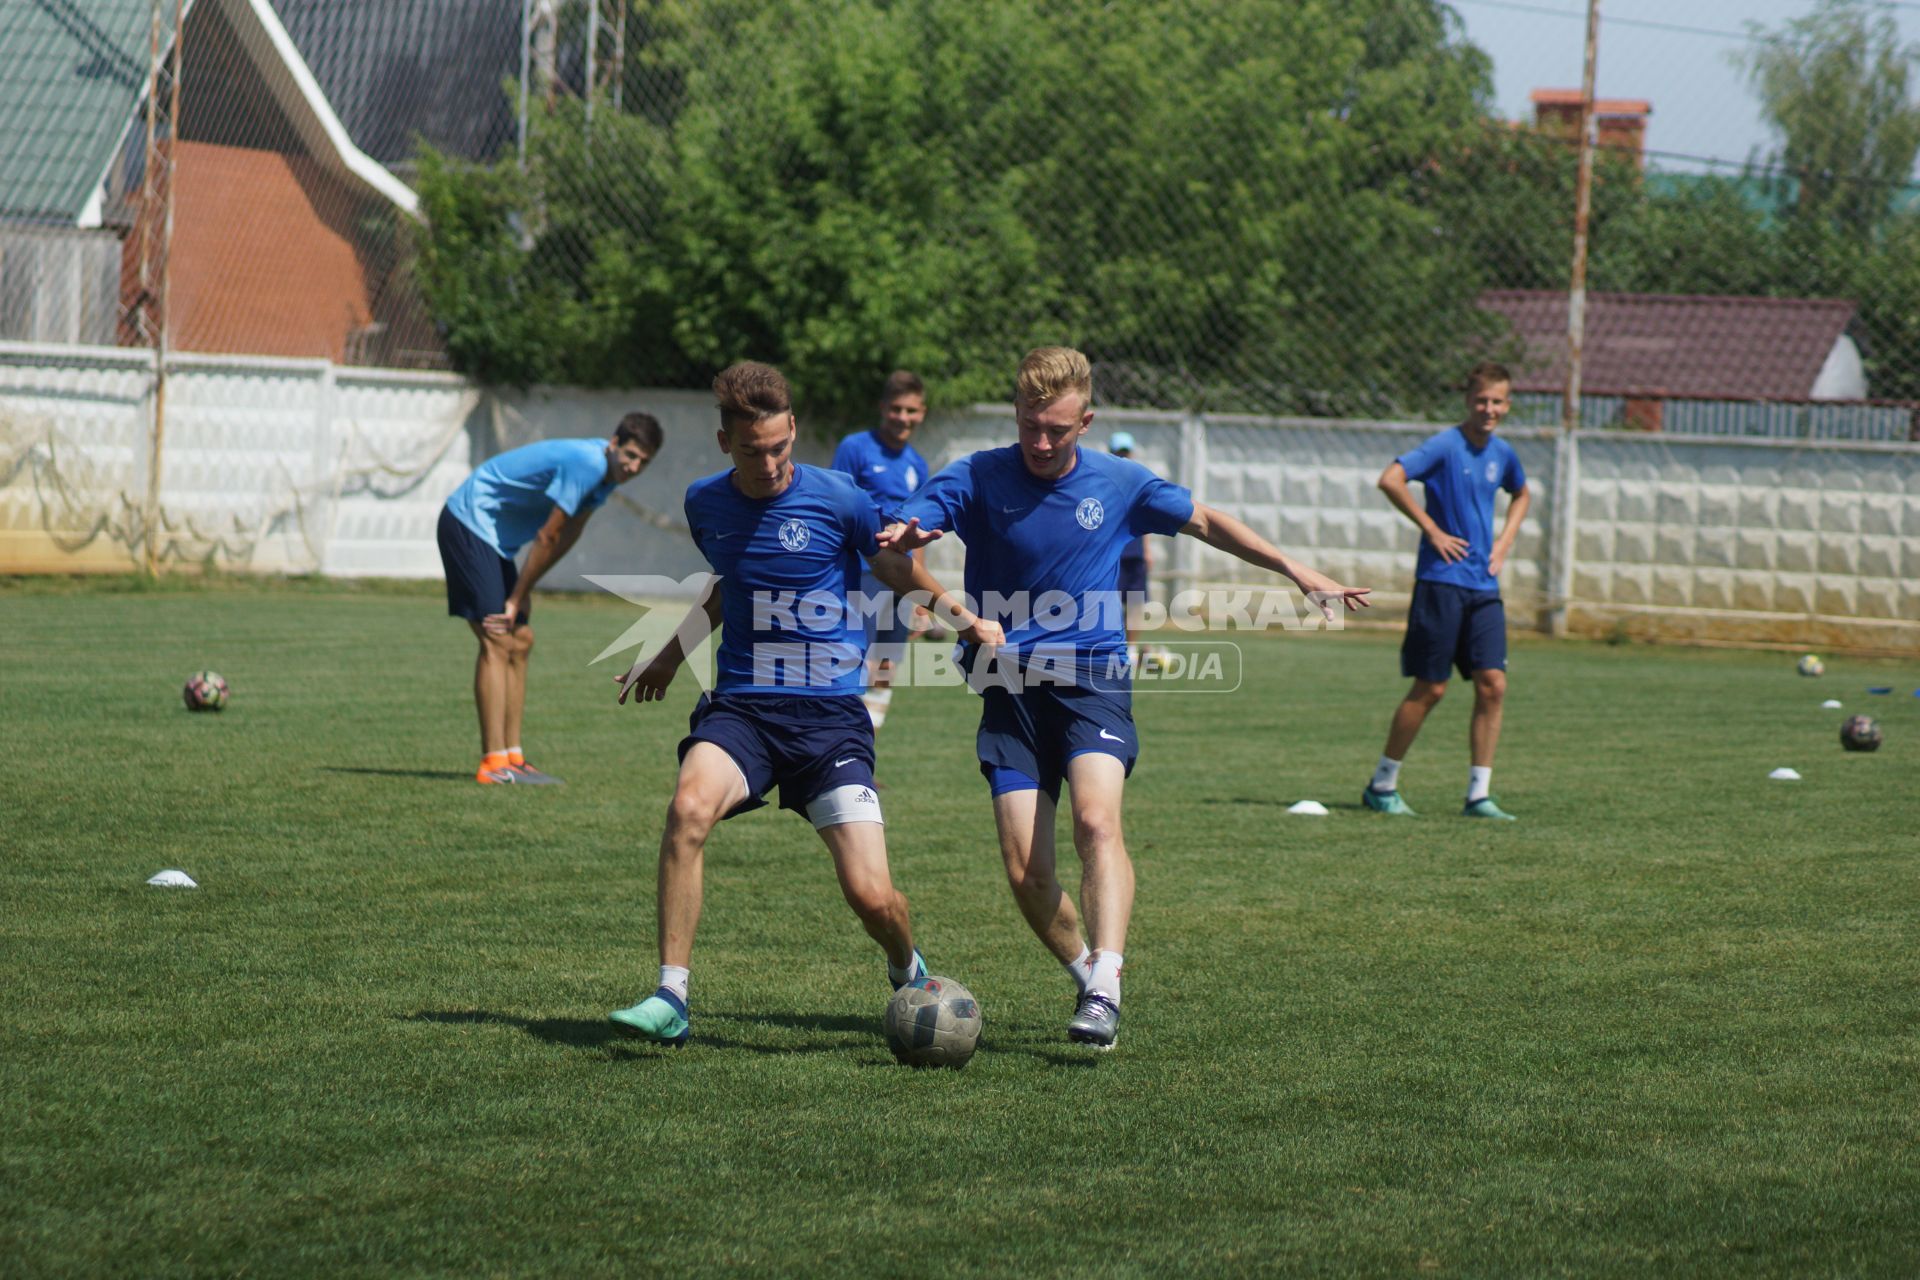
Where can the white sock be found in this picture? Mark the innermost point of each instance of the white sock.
(900, 975)
(1105, 977)
(674, 978)
(1077, 968)
(1479, 782)
(878, 700)
(1386, 775)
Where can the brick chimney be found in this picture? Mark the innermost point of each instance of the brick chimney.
(1620, 124)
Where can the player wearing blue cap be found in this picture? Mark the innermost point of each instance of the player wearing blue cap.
(1045, 523)
(1456, 619)
(543, 494)
(884, 463)
(786, 542)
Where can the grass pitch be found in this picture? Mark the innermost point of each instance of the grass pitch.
(1665, 1024)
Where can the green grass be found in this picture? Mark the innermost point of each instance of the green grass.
(1663, 1025)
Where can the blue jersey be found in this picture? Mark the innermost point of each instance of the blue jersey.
(1460, 482)
(1043, 556)
(509, 496)
(888, 475)
(786, 565)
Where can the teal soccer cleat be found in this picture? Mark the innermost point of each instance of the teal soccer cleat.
(661, 1018)
(917, 969)
(1486, 808)
(1387, 802)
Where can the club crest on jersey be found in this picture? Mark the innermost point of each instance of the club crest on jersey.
(794, 535)
(1493, 471)
(1090, 513)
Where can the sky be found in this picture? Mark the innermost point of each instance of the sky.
(1702, 103)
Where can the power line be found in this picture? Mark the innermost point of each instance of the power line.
(1518, 7)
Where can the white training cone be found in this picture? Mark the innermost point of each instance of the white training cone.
(1784, 774)
(173, 880)
(1309, 808)
(1831, 704)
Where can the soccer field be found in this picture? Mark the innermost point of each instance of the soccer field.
(1664, 1024)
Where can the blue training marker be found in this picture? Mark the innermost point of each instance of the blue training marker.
(1885, 688)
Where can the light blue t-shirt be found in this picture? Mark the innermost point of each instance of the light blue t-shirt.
(888, 475)
(510, 495)
(1460, 483)
(1043, 556)
(786, 566)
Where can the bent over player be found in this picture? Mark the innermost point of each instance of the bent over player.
(1045, 521)
(1457, 619)
(786, 541)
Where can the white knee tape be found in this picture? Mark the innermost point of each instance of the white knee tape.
(852, 803)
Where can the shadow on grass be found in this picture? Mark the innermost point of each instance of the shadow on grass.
(437, 775)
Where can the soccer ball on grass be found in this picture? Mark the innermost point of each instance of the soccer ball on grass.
(933, 1022)
(205, 691)
(1810, 665)
(1860, 733)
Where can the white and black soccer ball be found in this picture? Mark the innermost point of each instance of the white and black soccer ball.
(933, 1022)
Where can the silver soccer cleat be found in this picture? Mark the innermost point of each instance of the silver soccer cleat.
(1095, 1022)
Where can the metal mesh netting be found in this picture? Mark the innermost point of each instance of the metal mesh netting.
(1294, 208)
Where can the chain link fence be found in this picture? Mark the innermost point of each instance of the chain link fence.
(1246, 206)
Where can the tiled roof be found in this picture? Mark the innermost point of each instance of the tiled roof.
(394, 69)
(1683, 345)
(71, 76)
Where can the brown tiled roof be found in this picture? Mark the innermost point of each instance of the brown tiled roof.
(1675, 344)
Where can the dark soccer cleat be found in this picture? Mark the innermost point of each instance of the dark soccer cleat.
(1096, 1022)
(661, 1018)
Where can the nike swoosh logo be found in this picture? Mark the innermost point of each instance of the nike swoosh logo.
(1013, 511)
(878, 468)
(1110, 738)
(718, 536)
(840, 764)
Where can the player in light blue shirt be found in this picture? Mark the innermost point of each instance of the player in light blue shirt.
(540, 494)
(1045, 523)
(1456, 619)
(786, 542)
(884, 463)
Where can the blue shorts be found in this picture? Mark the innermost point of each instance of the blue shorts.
(479, 579)
(1449, 626)
(1035, 732)
(1133, 582)
(887, 636)
(807, 745)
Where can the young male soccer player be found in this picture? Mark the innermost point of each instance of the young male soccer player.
(786, 541)
(1456, 619)
(1045, 521)
(542, 493)
(883, 462)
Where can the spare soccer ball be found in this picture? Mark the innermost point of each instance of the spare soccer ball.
(1860, 733)
(933, 1022)
(205, 691)
(1811, 666)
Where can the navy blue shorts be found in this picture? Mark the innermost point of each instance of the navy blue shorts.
(1448, 627)
(479, 579)
(1037, 730)
(887, 636)
(807, 745)
(1133, 581)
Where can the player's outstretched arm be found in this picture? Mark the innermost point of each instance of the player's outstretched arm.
(909, 575)
(906, 537)
(651, 676)
(1393, 483)
(1503, 545)
(1218, 529)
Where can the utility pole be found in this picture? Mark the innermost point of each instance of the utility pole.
(148, 313)
(1567, 455)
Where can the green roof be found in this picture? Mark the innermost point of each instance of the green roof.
(72, 73)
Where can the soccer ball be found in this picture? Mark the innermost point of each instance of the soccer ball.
(1860, 733)
(1811, 666)
(205, 691)
(933, 1022)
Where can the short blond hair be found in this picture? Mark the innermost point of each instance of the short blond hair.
(1051, 372)
(749, 391)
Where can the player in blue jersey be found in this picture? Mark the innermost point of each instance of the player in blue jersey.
(1045, 523)
(786, 542)
(543, 494)
(1456, 620)
(883, 462)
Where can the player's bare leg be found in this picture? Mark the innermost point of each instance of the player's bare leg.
(1483, 737)
(1098, 782)
(1024, 820)
(859, 852)
(710, 787)
(1382, 794)
(490, 684)
(517, 653)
